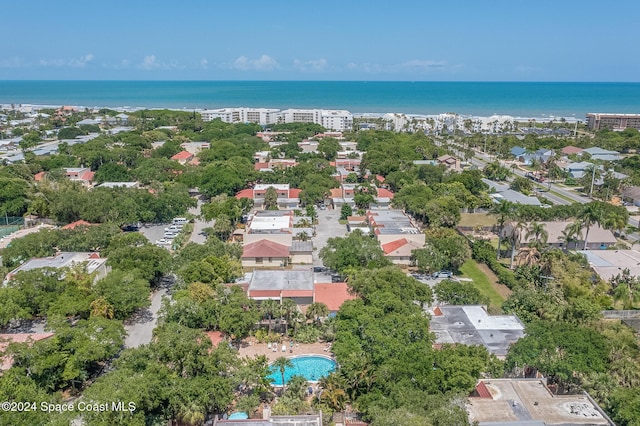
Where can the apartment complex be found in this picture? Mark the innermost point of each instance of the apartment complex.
(597, 121)
(330, 119)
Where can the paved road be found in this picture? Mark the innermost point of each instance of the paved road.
(140, 330)
(198, 225)
(328, 227)
(481, 159)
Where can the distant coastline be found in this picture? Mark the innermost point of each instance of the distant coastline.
(517, 99)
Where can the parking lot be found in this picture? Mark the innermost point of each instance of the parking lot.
(328, 227)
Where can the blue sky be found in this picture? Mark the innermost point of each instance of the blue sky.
(515, 40)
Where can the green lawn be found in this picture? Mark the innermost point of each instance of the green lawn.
(482, 283)
(476, 219)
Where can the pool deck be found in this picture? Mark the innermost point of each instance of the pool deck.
(252, 349)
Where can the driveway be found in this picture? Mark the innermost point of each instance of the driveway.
(140, 326)
(198, 225)
(328, 227)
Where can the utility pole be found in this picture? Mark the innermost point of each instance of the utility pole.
(593, 178)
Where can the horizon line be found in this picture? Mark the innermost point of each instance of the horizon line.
(320, 81)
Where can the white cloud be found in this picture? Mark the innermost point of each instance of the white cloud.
(420, 65)
(263, 63)
(80, 62)
(315, 65)
(149, 62)
(12, 62)
(204, 63)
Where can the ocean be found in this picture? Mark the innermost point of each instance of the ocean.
(520, 99)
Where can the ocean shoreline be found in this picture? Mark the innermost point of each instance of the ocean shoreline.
(372, 115)
(475, 99)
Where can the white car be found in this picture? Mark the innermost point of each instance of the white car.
(170, 235)
(162, 241)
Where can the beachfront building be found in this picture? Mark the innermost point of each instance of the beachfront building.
(597, 121)
(338, 120)
(261, 116)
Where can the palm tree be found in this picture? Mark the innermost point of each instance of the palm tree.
(503, 211)
(529, 256)
(282, 363)
(269, 308)
(317, 310)
(592, 213)
(626, 289)
(289, 309)
(539, 234)
(571, 234)
(515, 237)
(333, 393)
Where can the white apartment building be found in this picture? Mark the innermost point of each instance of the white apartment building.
(339, 120)
(262, 116)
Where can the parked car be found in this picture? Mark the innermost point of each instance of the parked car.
(170, 235)
(442, 274)
(162, 241)
(174, 228)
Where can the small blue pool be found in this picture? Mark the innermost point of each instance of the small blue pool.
(311, 367)
(238, 415)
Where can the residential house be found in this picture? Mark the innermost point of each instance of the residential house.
(597, 153)
(518, 151)
(501, 191)
(346, 192)
(610, 263)
(80, 174)
(632, 195)
(301, 252)
(183, 157)
(308, 147)
(541, 156)
(298, 285)
(472, 325)
(93, 263)
(129, 185)
(195, 147)
(530, 402)
(393, 225)
(269, 420)
(288, 198)
(400, 252)
(332, 294)
(265, 254)
(598, 238)
(450, 162)
(579, 169)
(571, 150)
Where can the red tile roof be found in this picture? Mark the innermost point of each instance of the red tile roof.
(380, 178)
(394, 245)
(297, 293)
(265, 248)
(264, 293)
(568, 150)
(5, 339)
(182, 155)
(332, 294)
(384, 193)
(260, 165)
(336, 193)
(294, 193)
(245, 193)
(215, 336)
(88, 176)
(437, 311)
(77, 223)
(483, 391)
(195, 161)
(39, 176)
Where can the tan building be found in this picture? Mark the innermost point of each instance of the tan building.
(507, 402)
(597, 121)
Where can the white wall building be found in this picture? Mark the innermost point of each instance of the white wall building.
(330, 119)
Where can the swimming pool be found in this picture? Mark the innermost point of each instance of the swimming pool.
(311, 367)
